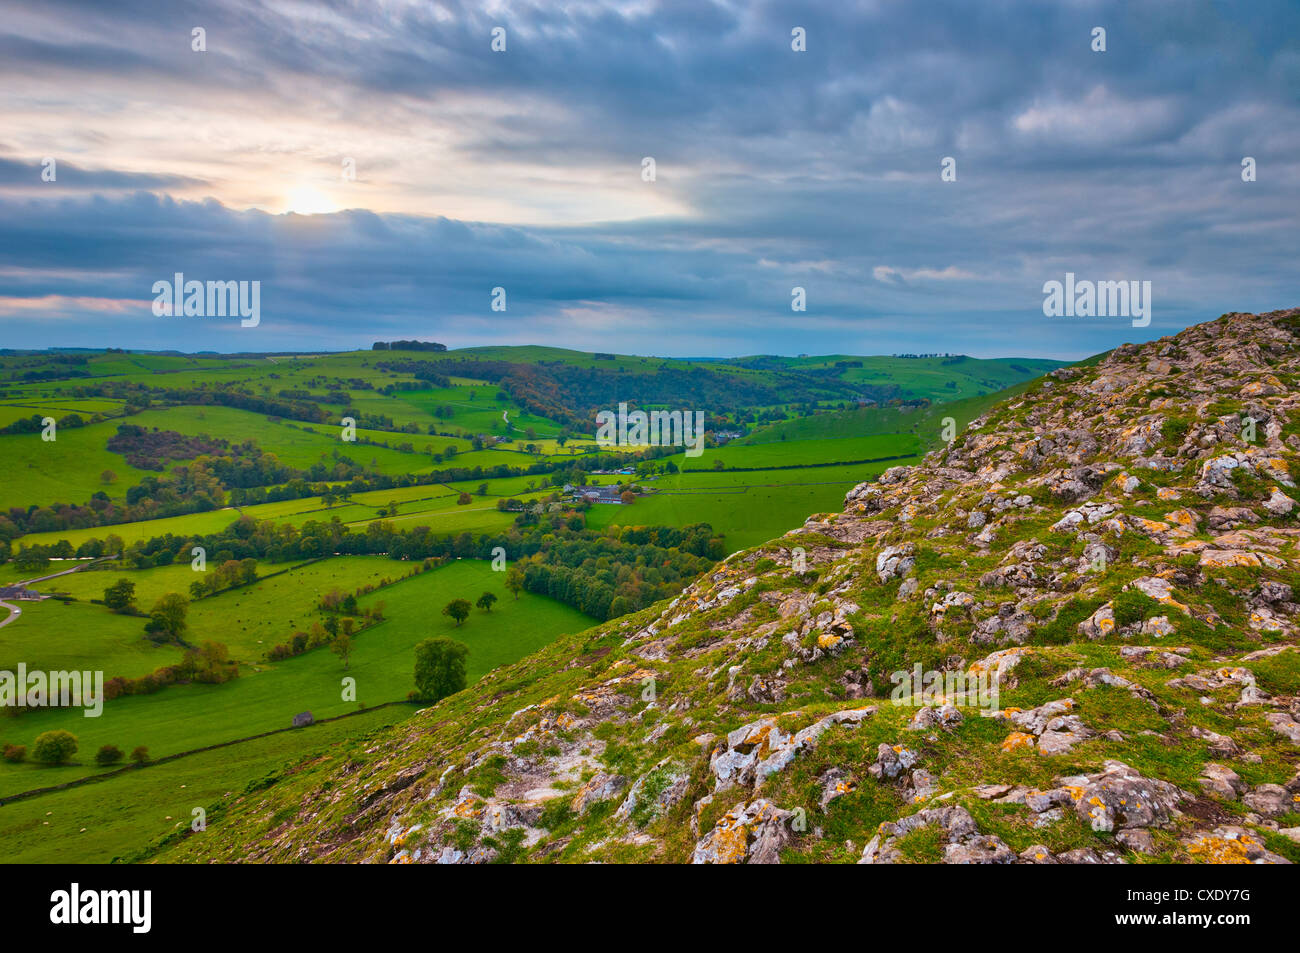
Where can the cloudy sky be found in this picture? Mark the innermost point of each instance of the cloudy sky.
(522, 169)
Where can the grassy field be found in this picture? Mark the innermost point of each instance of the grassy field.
(925, 424)
(748, 507)
(267, 696)
(252, 619)
(11, 410)
(96, 823)
(75, 636)
(301, 444)
(192, 524)
(475, 409)
(440, 512)
(514, 628)
(946, 379)
(803, 453)
(64, 470)
(150, 584)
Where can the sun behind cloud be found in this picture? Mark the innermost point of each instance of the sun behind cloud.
(309, 200)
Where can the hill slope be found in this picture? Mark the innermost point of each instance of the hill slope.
(1113, 551)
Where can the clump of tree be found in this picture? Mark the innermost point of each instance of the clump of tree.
(167, 619)
(211, 664)
(120, 597)
(32, 559)
(342, 646)
(337, 601)
(227, 575)
(458, 609)
(439, 668)
(15, 754)
(54, 747)
(515, 580)
(108, 755)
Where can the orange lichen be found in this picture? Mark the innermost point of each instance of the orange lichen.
(1018, 739)
(1221, 850)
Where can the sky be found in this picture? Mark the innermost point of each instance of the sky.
(379, 168)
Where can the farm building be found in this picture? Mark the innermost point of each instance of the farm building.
(19, 592)
(594, 494)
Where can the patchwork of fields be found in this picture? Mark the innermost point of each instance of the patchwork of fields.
(249, 620)
(422, 461)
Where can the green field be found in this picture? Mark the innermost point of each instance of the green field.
(150, 584)
(64, 470)
(803, 453)
(267, 695)
(193, 524)
(301, 444)
(95, 823)
(748, 507)
(514, 628)
(76, 636)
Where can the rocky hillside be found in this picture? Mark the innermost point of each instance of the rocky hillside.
(1115, 550)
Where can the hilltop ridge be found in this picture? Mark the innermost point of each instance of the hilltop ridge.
(1115, 548)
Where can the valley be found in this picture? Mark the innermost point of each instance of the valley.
(244, 458)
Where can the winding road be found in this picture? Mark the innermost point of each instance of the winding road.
(15, 612)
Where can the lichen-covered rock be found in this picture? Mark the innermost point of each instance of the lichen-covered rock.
(1230, 845)
(757, 750)
(962, 841)
(1119, 797)
(752, 833)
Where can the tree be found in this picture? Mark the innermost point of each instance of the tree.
(109, 754)
(31, 560)
(212, 663)
(167, 618)
(14, 754)
(458, 609)
(463, 499)
(439, 667)
(120, 597)
(140, 755)
(342, 647)
(485, 601)
(628, 497)
(54, 747)
(108, 476)
(515, 580)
